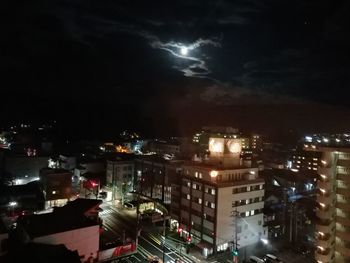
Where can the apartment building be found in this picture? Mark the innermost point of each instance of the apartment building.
(333, 205)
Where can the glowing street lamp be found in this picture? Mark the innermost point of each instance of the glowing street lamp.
(214, 173)
(264, 240)
(13, 204)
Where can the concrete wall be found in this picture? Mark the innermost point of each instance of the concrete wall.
(251, 227)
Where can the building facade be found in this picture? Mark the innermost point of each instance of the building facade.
(57, 186)
(155, 177)
(120, 177)
(218, 203)
(333, 205)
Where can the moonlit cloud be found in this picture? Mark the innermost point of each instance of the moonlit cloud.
(197, 66)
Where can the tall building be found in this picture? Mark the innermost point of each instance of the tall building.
(217, 203)
(155, 177)
(333, 205)
(305, 160)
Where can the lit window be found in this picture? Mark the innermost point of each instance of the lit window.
(261, 186)
(213, 191)
(199, 200)
(247, 213)
(188, 197)
(212, 205)
(248, 188)
(252, 212)
(200, 175)
(196, 174)
(247, 201)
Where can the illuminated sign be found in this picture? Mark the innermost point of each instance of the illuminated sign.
(234, 146)
(221, 145)
(216, 145)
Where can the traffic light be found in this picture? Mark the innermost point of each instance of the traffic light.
(235, 253)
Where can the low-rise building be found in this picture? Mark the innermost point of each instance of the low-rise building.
(73, 225)
(57, 186)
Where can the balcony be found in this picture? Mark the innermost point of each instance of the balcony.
(343, 221)
(343, 250)
(343, 235)
(343, 177)
(324, 185)
(324, 229)
(324, 199)
(343, 191)
(343, 206)
(343, 163)
(325, 214)
(323, 258)
(323, 243)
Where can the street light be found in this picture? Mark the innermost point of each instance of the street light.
(265, 243)
(12, 204)
(264, 240)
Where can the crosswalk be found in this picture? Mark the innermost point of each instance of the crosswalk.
(106, 211)
(173, 249)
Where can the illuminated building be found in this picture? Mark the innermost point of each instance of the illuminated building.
(212, 194)
(256, 142)
(333, 204)
(155, 177)
(119, 176)
(305, 160)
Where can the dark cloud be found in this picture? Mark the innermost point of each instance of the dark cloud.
(122, 55)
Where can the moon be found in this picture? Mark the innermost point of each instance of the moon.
(184, 51)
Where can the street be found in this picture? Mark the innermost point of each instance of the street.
(120, 223)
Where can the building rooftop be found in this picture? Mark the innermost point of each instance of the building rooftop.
(41, 253)
(51, 223)
(290, 175)
(215, 166)
(78, 206)
(47, 170)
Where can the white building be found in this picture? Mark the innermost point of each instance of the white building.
(120, 177)
(74, 225)
(220, 201)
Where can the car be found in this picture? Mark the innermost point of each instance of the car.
(272, 258)
(255, 259)
(129, 205)
(103, 195)
(154, 259)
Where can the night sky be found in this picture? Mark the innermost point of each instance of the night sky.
(99, 66)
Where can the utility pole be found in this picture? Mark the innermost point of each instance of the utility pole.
(235, 215)
(113, 182)
(138, 212)
(163, 243)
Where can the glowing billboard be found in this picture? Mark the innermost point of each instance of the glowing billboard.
(234, 146)
(216, 145)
